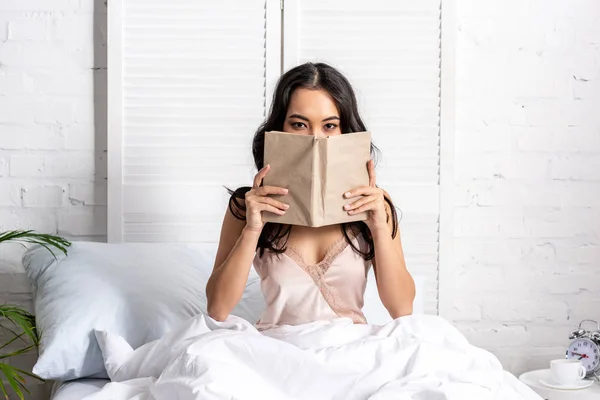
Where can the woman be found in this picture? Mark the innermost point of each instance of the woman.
(310, 274)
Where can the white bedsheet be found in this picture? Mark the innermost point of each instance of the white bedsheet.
(417, 357)
(78, 389)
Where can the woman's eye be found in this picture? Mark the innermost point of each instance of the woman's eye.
(298, 125)
(330, 127)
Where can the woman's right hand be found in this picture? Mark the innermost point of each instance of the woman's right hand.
(258, 200)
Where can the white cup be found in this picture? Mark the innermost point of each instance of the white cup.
(567, 372)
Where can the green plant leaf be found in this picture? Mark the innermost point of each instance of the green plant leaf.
(15, 379)
(22, 319)
(6, 328)
(21, 382)
(3, 388)
(9, 373)
(32, 375)
(42, 239)
(17, 352)
(15, 338)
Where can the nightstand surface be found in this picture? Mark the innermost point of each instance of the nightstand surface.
(532, 379)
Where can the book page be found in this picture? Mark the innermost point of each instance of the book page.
(291, 157)
(344, 168)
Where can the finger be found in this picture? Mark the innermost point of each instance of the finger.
(372, 205)
(270, 208)
(255, 201)
(361, 191)
(371, 170)
(260, 175)
(360, 202)
(272, 202)
(270, 190)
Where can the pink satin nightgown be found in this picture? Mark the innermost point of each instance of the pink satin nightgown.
(298, 293)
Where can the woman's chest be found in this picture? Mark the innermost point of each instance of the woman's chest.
(314, 245)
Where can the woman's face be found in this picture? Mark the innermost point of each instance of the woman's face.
(312, 112)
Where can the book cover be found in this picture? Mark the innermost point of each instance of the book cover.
(317, 170)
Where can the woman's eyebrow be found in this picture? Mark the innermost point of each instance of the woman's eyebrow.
(302, 117)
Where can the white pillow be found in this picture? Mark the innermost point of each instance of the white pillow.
(138, 291)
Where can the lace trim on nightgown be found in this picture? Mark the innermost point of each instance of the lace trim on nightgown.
(317, 273)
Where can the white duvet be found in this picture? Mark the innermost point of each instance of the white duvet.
(417, 357)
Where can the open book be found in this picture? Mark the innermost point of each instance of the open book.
(317, 170)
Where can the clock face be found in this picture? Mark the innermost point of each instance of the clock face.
(587, 351)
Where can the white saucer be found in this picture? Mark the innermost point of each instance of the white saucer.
(582, 384)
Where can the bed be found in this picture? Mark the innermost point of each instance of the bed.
(134, 312)
(77, 389)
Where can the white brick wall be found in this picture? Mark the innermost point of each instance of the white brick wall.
(527, 198)
(527, 208)
(52, 134)
(52, 159)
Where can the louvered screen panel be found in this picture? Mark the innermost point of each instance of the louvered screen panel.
(193, 93)
(390, 51)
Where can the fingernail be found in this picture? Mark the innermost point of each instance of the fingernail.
(285, 190)
(347, 206)
(286, 206)
(347, 194)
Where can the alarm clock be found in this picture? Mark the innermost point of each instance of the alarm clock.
(585, 346)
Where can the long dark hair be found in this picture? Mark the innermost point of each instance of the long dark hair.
(310, 76)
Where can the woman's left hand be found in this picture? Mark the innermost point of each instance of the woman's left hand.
(372, 200)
